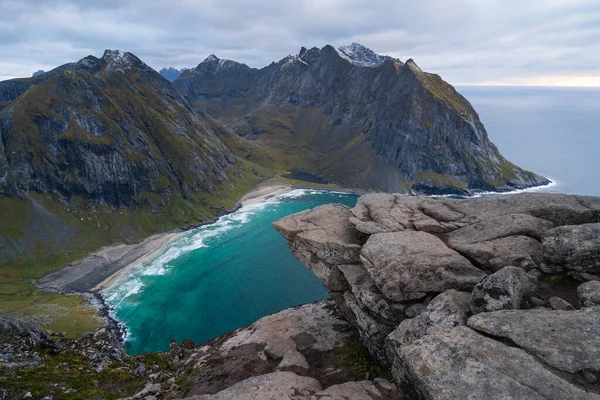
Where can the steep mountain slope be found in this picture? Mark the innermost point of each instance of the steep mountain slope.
(387, 126)
(106, 150)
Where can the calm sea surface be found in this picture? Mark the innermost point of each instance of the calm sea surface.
(222, 276)
(554, 132)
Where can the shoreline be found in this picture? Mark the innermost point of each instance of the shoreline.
(101, 269)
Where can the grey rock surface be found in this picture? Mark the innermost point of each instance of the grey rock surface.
(277, 349)
(589, 293)
(362, 390)
(445, 312)
(461, 364)
(574, 247)
(503, 290)
(407, 265)
(560, 304)
(423, 269)
(274, 386)
(566, 340)
(293, 361)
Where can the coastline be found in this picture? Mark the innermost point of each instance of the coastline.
(101, 269)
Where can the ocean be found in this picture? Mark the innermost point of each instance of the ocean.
(220, 277)
(554, 132)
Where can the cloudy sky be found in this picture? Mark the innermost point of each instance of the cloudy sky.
(516, 42)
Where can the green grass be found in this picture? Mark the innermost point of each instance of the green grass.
(356, 358)
(70, 371)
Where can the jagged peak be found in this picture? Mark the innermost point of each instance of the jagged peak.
(361, 55)
(117, 59)
(211, 58)
(215, 63)
(410, 63)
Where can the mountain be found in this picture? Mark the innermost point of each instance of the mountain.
(106, 150)
(38, 72)
(171, 74)
(357, 119)
(362, 56)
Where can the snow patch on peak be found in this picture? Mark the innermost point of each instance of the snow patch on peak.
(214, 63)
(290, 61)
(361, 55)
(117, 59)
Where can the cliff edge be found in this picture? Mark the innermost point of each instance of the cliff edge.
(478, 298)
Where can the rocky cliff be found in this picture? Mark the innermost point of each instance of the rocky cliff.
(357, 119)
(91, 144)
(479, 298)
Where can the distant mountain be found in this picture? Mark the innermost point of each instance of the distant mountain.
(38, 72)
(362, 56)
(105, 150)
(357, 119)
(171, 74)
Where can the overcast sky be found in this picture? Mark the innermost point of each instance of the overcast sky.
(534, 42)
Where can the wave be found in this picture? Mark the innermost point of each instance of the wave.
(130, 283)
(542, 188)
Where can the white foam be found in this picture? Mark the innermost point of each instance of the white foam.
(130, 282)
(541, 188)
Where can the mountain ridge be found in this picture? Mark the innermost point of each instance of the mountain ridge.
(408, 130)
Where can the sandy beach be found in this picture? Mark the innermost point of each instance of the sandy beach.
(100, 270)
(264, 192)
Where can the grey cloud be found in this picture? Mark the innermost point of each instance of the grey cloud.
(465, 41)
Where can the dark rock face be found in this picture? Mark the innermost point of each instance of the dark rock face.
(387, 126)
(101, 135)
(427, 265)
(109, 130)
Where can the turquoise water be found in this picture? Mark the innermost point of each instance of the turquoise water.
(217, 278)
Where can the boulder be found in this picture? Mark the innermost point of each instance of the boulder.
(560, 209)
(589, 294)
(278, 385)
(574, 248)
(560, 304)
(325, 231)
(566, 340)
(363, 390)
(503, 290)
(445, 312)
(407, 265)
(293, 361)
(319, 321)
(461, 364)
(277, 349)
(499, 227)
(519, 251)
(368, 295)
